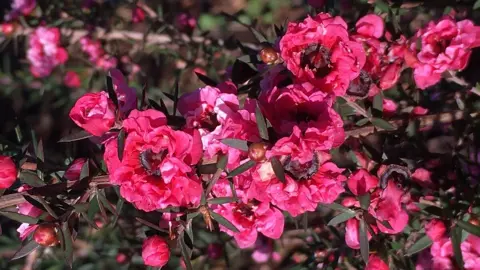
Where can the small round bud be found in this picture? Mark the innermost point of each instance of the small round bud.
(46, 235)
(474, 221)
(268, 55)
(122, 258)
(257, 151)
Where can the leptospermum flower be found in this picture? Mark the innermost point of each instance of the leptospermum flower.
(439, 47)
(8, 172)
(156, 171)
(319, 50)
(44, 52)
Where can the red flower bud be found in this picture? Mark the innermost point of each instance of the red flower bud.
(46, 235)
(256, 152)
(268, 55)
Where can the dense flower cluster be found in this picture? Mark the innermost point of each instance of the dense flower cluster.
(157, 165)
(45, 51)
(19, 8)
(96, 54)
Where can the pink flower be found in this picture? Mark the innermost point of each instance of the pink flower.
(44, 52)
(352, 233)
(94, 112)
(155, 251)
(185, 23)
(138, 15)
(310, 178)
(74, 169)
(8, 172)
(250, 219)
(435, 229)
(445, 45)
(72, 79)
(292, 107)
(418, 110)
(319, 50)
(376, 263)
(389, 106)
(155, 171)
(423, 177)
(96, 54)
(20, 7)
(370, 25)
(27, 209)
(389, 208)
(361, 182)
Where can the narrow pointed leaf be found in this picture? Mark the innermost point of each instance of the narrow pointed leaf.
(85, 171)
(456, 236)
(121, 144)
(242, 72)
(77, 136)
(206, 80)
(186, 252)
(221, 200)
(340, 219)
(222, 161)
(19, 217)
(382, 124)
(39, 151)
(192, 215)
(106, 203)
(261, 124)
(338, 207)
(111, 91)
(421, 244)
(175, 95)
(242, 168)
(278, 169)
(363, 237)
(26, 249)
(378, 102)
(364, 201)
(467, 226)
(386, 224)
(362, 122)
(236, 143)
(223, 221)
(30, 178)
(151, 225)
(67, 243)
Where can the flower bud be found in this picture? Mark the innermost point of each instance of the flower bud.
(46, 235)
(122, 258)
(474, 221)
(8, 172)
(155, 251)
(268, 55)
(257, 151)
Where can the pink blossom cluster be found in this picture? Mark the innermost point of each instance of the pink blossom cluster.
(19, 8)
(45, 51)
(157, 165)
(96, 54)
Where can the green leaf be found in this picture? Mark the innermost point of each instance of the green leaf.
(30, 178)
(362, 122)
(340, 219)
(120, 204)
(19, 217)
(26, 249)
(192, 215)
(378, 102)
(221, 200)
(278, 169)
(223, 221)
(261, 124)
(338, 207)
(382, 6)
(111, 91)
(106, 203)
(363, 237)
(364, 201)
(421, 244)
(236, 143)
(242, 168)
(85, 171)
(382, 124)
(67, 244)
(175, 93)
(456, 236)
(186, 252)
(206, 80)
(77, 136)
(222, 161)
(467, 226)
(121, 144)
(39, 151)
(476, 5)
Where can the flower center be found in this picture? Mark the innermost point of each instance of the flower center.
(360, 86)
(209, 120)
(301, 171)
(317, 58)
(244, 214)
(151, 161)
